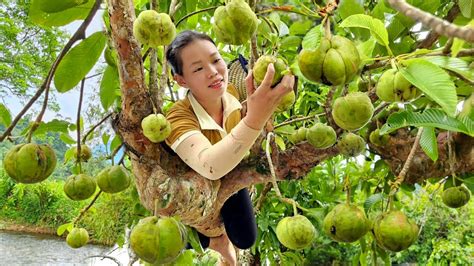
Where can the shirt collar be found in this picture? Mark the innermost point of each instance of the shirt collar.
(206, 122)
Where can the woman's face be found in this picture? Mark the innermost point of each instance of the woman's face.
(204, 70)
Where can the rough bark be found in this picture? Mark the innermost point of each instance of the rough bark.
(163, 179)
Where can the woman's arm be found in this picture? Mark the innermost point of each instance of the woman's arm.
(215, 161)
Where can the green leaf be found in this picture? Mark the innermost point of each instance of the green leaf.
(5, 116)
(54, 125)
(300, 27)
(376, 26)
(433, 81)
(372, 200)
(280, 142)
(367, 48)
(429, 118)
(469, 182)
(312, 39)
(64, 227)
(347, 8)
(429, 143)
(115, 143)
(108, 87)
(69, 154)
(290, 42)
(79, 61)
(453, 64)
(193, 239)
(60, 18)
(66, 138)
(105, 139)
(467, 8)
(53, 6)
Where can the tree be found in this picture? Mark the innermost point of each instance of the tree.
(426, 136)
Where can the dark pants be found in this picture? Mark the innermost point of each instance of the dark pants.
(239, 221)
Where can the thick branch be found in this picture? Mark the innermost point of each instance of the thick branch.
(438, 25)
(433, 36)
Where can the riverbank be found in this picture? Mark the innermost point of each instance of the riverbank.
(8, 225)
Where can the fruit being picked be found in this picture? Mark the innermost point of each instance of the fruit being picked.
(335, 62)
(393, 87)
(154, 29)
(394, 231)
(78, 237)
(295, 232)
(346, 223)
(321, 136)
(352, 111)
(456, 196)
(351, 144)
(156, 128)
(158, 241)
(286, 102)
(113, 179)
(29, 163)
(260, 68)
(86, 153)
(79, 187)
(234, 23)
(377, 139)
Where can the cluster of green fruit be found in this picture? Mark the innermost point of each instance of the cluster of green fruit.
(348, 223)
(159, 240)
(391, 230)
(154, 29)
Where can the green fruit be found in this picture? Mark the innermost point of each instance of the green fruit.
(53, 6)
(154, 29)
(321, 136)
(113, 179)
(77, 238)
(333, 62)
(456, 197)
(295, 232)
(30, 163)
(234, 23)
(377, 139)
(158, 241)
(156, 128)
(79, 187)
(173, 239)
(351, 144)
(298, 136)
(394, 231)
(286, 102)
(393, 87)
(346, 223)
(260, 68)
(86, 153)
(145, 239)
(352, 111)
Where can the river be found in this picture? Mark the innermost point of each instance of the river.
(34, 249)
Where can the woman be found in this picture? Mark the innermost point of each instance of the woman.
(208, 132)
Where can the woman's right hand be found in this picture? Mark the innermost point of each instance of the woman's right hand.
(263, 101)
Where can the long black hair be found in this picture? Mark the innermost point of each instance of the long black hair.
(173, 52)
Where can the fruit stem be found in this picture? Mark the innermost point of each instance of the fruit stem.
(327, 27)
(83, 211)
(316, 116)
(78, 123)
